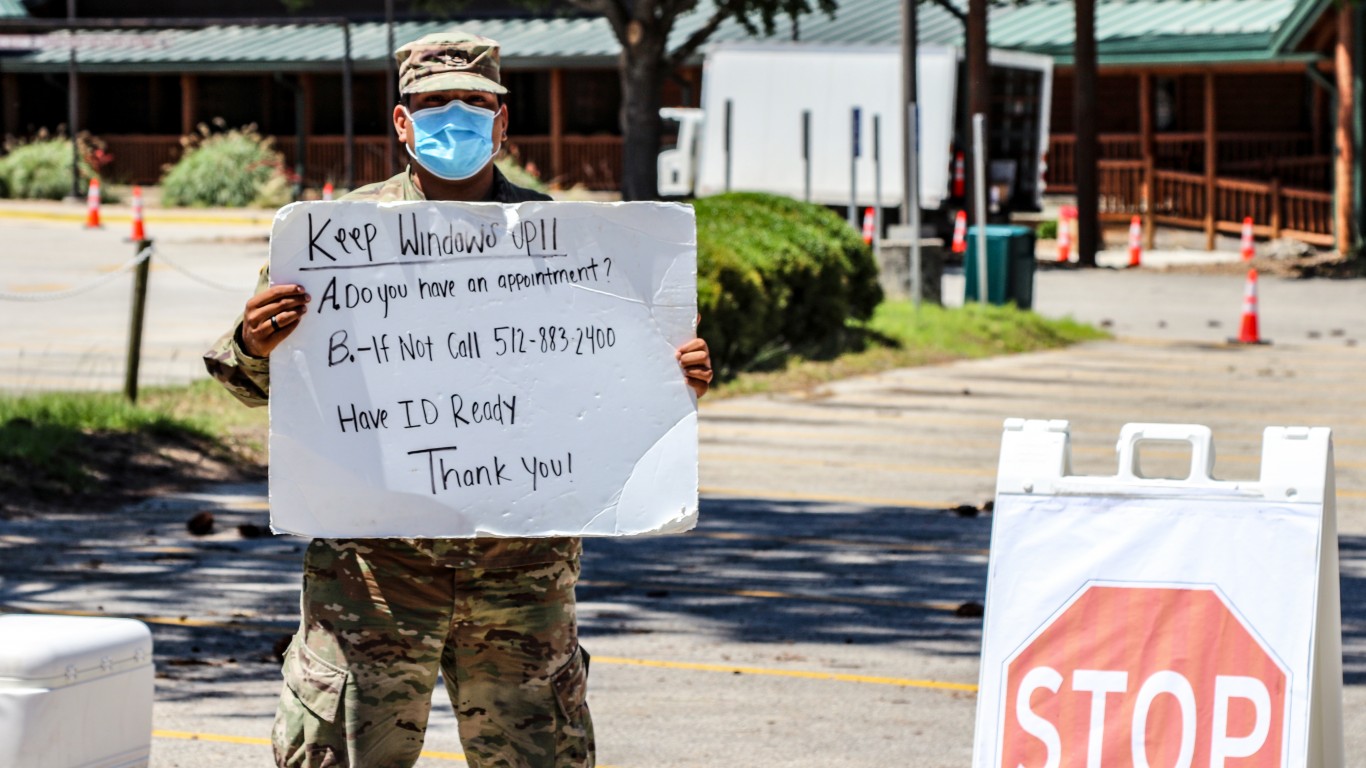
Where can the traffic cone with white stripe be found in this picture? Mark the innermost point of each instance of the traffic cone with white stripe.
(92, 205)
(960, 232)
(1247, 334)
(327, 191)
(139, 232)
(1249, 250)
(1136, 241)
(869, 225)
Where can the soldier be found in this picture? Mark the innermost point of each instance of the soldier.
(381, 617)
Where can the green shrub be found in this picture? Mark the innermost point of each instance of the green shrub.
(1047, 230)
(511, 166)
(776, 275)
(232, 168)
(40, 169)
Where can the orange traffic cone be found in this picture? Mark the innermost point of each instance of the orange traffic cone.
(1136, 241)
(327, 191)
(1248, 248)
(92, 205)
(960, 232)
(1064, 236)
(1247, 334)
(139, 233)
(869, 225)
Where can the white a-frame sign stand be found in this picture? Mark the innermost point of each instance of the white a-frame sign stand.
(1145, 622)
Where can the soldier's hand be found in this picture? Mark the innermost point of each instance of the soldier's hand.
(271, 316)
(695, 359)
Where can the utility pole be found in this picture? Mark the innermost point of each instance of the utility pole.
(1084, 116)
(979, 86)
(909, 96)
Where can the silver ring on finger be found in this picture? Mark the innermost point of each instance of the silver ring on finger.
(274, 324)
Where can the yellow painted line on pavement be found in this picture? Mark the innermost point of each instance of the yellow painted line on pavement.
(852, 543)
(799, 461)
(772, 594)
(260, 742)
(837, 498)
(79, 218)
(797, 673)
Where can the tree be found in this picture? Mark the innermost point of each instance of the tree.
(643, 28)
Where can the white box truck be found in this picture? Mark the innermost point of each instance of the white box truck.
(767, 87)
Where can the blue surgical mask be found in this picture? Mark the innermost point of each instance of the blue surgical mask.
(452, 142)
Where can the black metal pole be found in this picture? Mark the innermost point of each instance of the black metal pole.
(806, 154)
(727, 142)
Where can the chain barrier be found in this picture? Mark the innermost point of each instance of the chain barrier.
(127, 266)
(163, 258)
(143, 255)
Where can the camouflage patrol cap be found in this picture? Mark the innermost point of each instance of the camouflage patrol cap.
(445, 61)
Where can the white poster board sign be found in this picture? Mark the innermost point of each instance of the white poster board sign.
(476, 369)
(1133, 621)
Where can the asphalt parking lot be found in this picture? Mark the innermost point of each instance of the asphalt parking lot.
(825, 611)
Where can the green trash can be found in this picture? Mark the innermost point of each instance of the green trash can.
(1010, 265)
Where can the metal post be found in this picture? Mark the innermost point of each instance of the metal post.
(909, 97)
(727, 129)
(130, 378)
(806, 153)
(348, 113)
(853, 171)
(979, 148)
(877, 186)
(913, 200)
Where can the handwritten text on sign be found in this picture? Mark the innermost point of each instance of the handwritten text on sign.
(484, 370)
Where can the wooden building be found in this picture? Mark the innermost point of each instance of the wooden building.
(1210, 110)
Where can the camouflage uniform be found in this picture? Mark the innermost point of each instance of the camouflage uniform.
(380, 617)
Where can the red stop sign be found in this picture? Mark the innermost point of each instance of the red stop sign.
(1144, 677)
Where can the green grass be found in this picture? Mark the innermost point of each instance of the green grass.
(897, 336)
(56, 442)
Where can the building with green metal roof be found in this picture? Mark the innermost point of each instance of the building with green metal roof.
(1169, 70)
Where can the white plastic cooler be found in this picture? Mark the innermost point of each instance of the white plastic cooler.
(74, 691)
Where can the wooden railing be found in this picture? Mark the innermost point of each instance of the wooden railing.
(1256, 155)
(1184, 200)
(591, 161)
(1121, 185)
(1266, 176)
(1179, 198)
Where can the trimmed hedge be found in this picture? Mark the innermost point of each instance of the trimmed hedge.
(775, 275)
(234, 168)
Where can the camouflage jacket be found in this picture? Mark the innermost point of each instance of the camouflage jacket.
(248, 379)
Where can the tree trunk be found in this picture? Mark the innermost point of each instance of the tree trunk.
(642, 73)
(1085, 106)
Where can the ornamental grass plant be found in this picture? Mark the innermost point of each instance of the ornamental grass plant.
(231, 168)
(40, 168)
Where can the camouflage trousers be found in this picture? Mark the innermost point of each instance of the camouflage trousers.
(381, 618)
